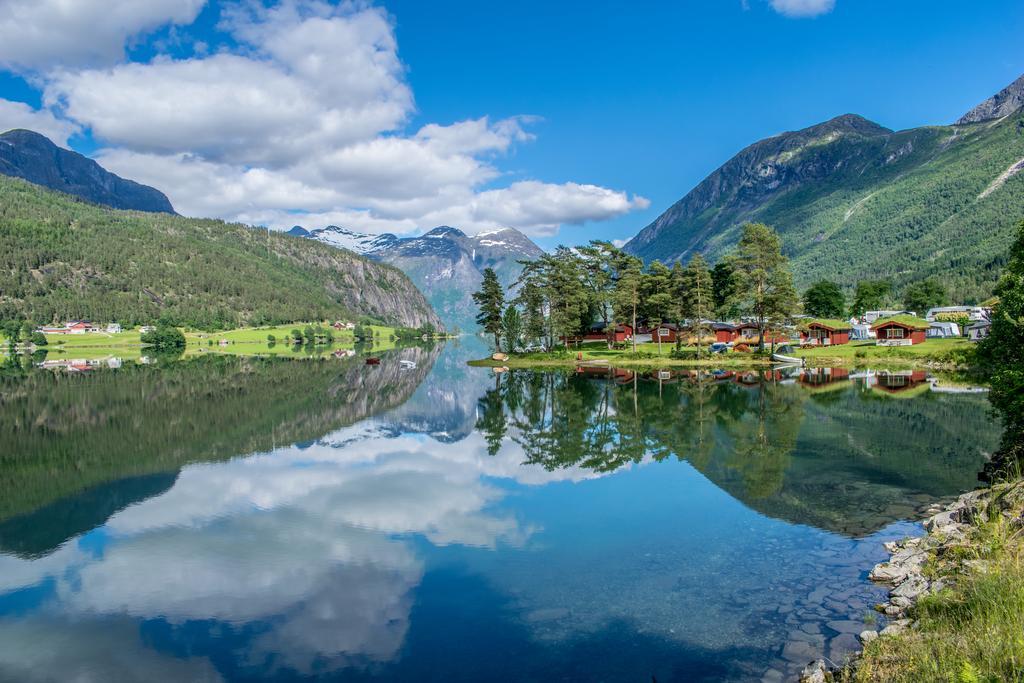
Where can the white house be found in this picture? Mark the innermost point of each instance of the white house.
(113, 328)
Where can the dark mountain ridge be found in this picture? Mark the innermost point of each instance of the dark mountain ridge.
(33, 157)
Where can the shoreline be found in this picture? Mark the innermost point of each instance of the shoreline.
(939, 565)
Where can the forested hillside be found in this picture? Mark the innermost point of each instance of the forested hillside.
(61, 258)
(854, 200)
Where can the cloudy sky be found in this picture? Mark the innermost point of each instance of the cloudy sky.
(569, 121)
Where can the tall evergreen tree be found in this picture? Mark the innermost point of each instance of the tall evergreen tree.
(659, 304)
(765, 283)
(698, 301)
(725, 289)
(512, 328)
(628, 295)
(491, 302)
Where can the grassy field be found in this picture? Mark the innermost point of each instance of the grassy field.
(246, 341)
(946, 352)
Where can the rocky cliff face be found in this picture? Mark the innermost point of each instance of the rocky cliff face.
(32, 157)
(445, 264)
(1003, 103)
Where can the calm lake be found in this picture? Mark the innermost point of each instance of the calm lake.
(266, 519)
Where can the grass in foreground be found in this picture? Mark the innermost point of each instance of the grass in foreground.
(971, 632)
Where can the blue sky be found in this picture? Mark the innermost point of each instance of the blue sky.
(403, 114)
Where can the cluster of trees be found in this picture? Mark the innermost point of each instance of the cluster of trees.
(21, 331)
(825, 298)
(562, 294)
(164, 337)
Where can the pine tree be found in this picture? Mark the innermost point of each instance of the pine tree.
(628, 294)
(698, 301)
(491, 302)
(659, 304)
(765, 283)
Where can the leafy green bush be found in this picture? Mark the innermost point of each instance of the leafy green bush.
(164, 338)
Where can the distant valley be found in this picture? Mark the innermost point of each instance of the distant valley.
(446, 264)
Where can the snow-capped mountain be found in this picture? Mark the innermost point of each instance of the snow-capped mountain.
(445, 263)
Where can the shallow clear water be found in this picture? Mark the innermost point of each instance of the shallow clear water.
(231, 519)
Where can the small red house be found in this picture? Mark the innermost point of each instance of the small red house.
(900, 330)
(666, 332)
(724, 332)
(824, 332)
(599, 332)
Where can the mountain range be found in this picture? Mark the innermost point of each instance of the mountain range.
(33, 157)
(853, 200)
(445, 263)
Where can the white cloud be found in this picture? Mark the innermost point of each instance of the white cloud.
(304, 123)
(803, 8)
(38, 34)
(20, 115)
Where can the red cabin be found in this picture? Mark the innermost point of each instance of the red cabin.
(597, 332)
(724, 332)
(826, 332)
(666, 332)
(900, 330)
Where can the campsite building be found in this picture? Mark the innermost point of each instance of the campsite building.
(900, 330)
(825, 332)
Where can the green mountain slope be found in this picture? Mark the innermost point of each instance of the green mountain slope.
(61, 258)
(855, 200)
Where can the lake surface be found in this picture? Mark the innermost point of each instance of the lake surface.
(266, 519)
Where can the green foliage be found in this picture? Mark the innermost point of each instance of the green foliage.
(164, 338)
(37, 339)
(1002, 353)
(824, 299)
(512, 328)
(725, 288)
(870, 295)
(920, 296)
(490, 299)
(62, 259)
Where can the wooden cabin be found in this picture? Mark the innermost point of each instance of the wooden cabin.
(825, 332)
(900, 330)
(600, 332)
(724, 332)
(666, 332)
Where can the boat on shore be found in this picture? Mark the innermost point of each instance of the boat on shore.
(783, 355)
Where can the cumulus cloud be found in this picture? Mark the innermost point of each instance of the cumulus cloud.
(305, 123)
(20, 115)
(37, 34)
(803, 8)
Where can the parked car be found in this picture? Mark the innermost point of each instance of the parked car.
(719, 347)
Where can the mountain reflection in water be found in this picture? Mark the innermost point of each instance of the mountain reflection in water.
(228, 519)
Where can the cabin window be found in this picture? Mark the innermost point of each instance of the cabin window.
(894, 333)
